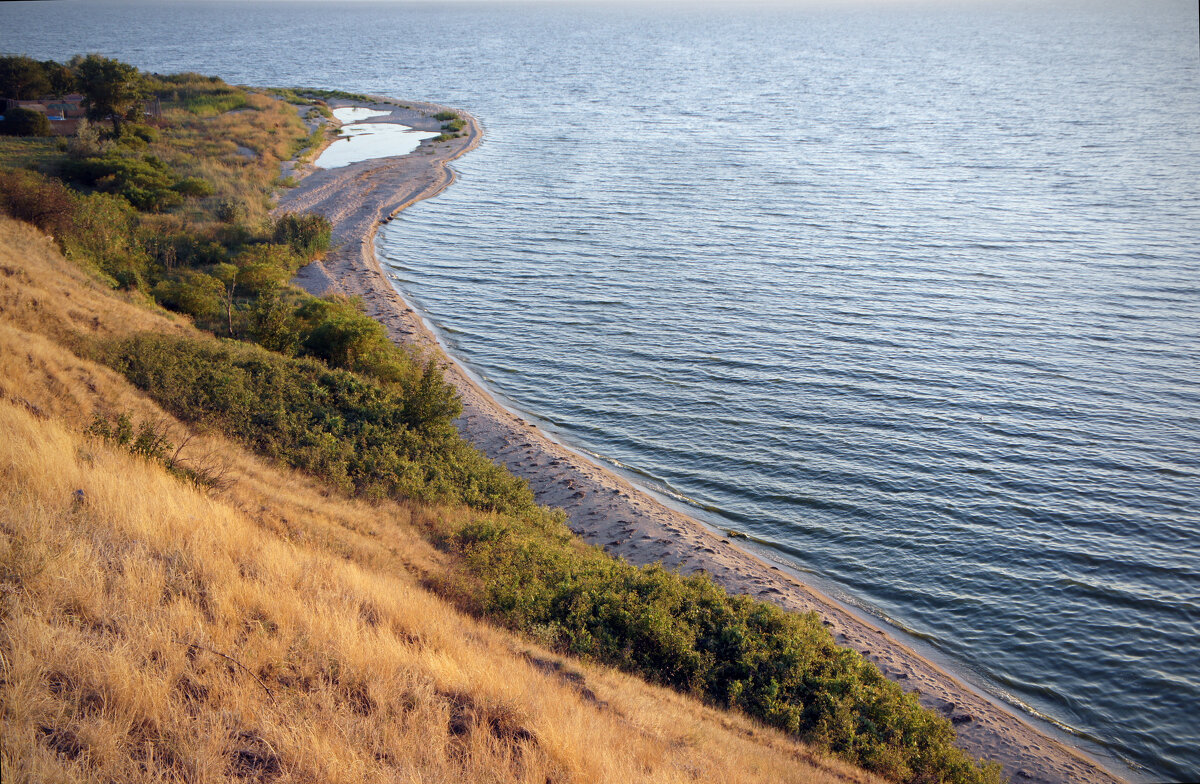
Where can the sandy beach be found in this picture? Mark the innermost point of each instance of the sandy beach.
(601, 506)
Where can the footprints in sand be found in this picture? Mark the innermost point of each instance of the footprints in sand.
(951, 710)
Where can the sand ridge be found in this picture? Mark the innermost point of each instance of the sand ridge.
(601, 506)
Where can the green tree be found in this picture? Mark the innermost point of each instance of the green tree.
(22, 78)
(227, 274)
(111, 89)
(59, 78)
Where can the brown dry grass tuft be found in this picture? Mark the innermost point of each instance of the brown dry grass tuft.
(150, 631)
(207, 147)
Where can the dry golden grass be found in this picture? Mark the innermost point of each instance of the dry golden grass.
(207, 147)
(46, 303)
(44, 293)
(272, 632)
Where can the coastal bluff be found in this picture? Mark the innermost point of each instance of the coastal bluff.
(603, 508)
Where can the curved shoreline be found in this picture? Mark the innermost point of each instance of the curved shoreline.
(602, 507)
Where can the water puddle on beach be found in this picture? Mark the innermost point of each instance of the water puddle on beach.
(364, 141)
(350, 114)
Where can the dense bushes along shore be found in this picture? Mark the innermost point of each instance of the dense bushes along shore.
(176, 216)
(521, 565)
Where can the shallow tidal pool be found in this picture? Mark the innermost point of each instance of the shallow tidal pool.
(364, 141)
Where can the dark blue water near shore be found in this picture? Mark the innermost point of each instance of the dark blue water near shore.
(911, 295)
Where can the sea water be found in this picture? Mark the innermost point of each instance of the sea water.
(909, 293)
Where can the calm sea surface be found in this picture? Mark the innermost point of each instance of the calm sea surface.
(910, 295)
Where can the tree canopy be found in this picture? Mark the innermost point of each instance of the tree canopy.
(22, 78)
(111, 89)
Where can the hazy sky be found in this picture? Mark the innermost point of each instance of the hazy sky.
(622, 2)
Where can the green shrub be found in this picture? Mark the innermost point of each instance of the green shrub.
(357, 434)
(446, 115)
(152, 441)
(102, 235)
(140, 132)
(308, 234)
(145, 181)
(148, 440)
(265, 266)
(688, 633)
(340, 334)
(231, 211)
(181, 247)
(273, 323)
(24, 122)
(33, 198)
(191, 292)
(127, 143)
(336, 331)
(86, 142)
(195, 187)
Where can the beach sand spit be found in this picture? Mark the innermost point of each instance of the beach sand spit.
(601, 506)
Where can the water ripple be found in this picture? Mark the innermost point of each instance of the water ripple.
(909, 294)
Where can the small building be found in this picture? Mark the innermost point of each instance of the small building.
(64, 113)
(68, 107)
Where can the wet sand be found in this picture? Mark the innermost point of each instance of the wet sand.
(601, 506)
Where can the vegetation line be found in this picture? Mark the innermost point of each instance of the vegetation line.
(164, 209)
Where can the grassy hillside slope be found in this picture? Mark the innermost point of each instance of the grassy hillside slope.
(273, 504)
(271, 630)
